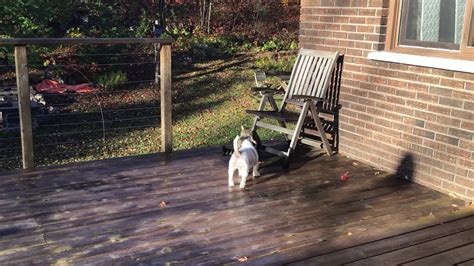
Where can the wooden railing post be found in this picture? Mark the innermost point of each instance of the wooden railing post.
(166, 104)
(24, 105)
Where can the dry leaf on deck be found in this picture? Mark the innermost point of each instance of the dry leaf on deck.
(162, 204)
(243, 259)
(344, 176)
(455, 207)
(349, 234)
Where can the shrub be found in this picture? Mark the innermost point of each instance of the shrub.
(269, 63)
(111, 80)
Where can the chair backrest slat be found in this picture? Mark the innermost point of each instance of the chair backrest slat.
(301, 72)
(303, 89)
(334, 88)
(316, 76)
(293, 73)
(323, 72)
(311, 73)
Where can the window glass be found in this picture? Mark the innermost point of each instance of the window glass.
(432, 23)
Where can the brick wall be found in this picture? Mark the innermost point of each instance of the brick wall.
(395, 116)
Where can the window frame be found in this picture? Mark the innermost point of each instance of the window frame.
(392, 37)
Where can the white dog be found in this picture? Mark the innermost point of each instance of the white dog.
(244, 158)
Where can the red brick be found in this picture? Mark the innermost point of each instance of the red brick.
(431, 98)
(416, 104)
(429, 79)
(435, 145)
(468, 183)
(468, 125)
(452, 83)
(455, 170)
(442, 72)
(425, 115)
(464, 115)
(443, 175)
(444, 157)
(453, 187)
(357, 20)
(457, 151)
(447, 139)
(436, 127)
(424, 133)
(439, 109)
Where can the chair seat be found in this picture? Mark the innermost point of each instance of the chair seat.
(280, 116)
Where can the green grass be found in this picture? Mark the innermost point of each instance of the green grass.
(209, 103)
(222, 98)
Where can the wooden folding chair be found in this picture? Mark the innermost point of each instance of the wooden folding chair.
(306, 89)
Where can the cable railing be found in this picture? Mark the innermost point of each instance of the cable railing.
(124, 110)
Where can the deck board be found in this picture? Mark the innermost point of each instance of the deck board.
(109, 212)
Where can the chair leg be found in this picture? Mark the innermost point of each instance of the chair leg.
(261, 107)
(286, 163)
(296, 134)
(319, 126)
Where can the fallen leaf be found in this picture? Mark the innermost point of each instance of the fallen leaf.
(355, 164)
(345, 176)
(162, 204)
(377, 173)
(454, 207)
(349, 234)
(243, 259)
(165, 250)
(452, 195)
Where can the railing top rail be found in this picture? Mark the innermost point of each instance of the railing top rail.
(53, 41)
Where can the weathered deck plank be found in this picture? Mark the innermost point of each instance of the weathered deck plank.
(109, 212)
(402, 244)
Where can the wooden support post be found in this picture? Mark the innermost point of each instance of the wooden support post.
(166, 104)
(24, 103)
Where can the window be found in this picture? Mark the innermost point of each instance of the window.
(442, 28)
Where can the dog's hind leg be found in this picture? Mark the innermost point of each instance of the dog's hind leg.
(231, 172)
(243, 173)
(255, 172)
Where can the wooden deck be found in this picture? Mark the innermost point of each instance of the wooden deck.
(109, 212)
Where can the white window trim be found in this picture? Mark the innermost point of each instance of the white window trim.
(424, 61)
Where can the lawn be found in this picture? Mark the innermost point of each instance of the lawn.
(209, 97)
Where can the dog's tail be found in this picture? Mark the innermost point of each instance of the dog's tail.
(237, 152)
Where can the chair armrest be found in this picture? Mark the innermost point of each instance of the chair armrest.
(267, 90)
(305, 97)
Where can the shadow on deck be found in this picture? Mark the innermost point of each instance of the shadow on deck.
(109, 212)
